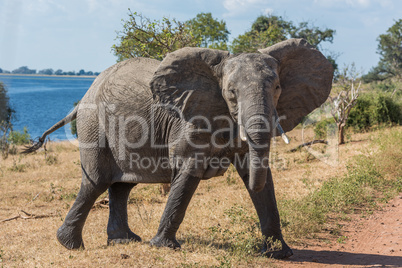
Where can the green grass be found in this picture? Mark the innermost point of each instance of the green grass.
(371, 178)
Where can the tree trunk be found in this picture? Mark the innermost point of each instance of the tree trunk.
(341, 134)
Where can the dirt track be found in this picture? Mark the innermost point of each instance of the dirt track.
(372, 241)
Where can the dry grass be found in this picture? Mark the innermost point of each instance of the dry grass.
(219, 228)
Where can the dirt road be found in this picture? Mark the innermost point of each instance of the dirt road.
(374, 241)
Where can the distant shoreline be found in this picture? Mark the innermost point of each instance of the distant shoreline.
(52, 75)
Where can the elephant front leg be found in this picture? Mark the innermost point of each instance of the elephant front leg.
(118, 231)
(181, 191)
(267, 210)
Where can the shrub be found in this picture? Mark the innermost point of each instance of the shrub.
(51, 160)
(324, 127)
(374, 109)
(18, 138)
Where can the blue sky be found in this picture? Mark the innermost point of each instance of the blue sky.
(78, 34)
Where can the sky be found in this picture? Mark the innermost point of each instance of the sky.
(78, 34)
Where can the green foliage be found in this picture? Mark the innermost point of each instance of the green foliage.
(373, 109)
(51, 159)
(24, 70)
(142, 37)
(19, 138)
(269, 30)
(265, 31)
(389, 48)
(388, 86)
(242, 235)
(48, 71)
(314, 35)
(6, 114)
(5, 110)
(325, 127)
(211, 32)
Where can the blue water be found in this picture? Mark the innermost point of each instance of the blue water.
(42, 101)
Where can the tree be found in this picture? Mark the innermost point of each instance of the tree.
(346, 99)
(59, 72)
(314, 35)
(269, 30)
(265, 31)
(81, 72)
(1, 70)
(6, 115)
(211, 32)
(390, 50)
(142, 37)
(24, 70)
(46, 71)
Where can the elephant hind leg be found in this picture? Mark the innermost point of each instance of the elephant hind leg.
(70, 233)
(118, 231)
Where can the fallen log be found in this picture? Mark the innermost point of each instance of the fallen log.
(307, 144)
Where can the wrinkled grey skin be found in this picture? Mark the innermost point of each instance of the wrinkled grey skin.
(291, 76)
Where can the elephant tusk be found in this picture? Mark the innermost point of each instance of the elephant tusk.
(243, 135)
(279, 127)
(285, 138)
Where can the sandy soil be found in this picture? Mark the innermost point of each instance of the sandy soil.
(374, 241)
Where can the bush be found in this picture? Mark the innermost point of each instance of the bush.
(18, 138)
(324, 127)
(374, 109)
(6, 114)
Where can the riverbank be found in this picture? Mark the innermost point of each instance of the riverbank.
(46, 75)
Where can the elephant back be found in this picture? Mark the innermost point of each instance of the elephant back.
(124, 81)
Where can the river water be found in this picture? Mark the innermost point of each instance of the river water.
(41, 101)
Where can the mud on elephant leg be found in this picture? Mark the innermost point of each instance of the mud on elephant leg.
(70, 233)
(181, 191)
(118, 231)
(265, 204)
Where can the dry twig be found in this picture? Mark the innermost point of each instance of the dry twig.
(28, 216)
(103, 203)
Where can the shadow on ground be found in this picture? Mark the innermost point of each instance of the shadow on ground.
(343, 258)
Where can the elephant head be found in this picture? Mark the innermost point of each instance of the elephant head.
(290, 78)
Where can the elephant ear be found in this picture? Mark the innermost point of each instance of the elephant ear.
(187, 80)
(305, 77)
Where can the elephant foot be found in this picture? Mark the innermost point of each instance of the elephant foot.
(283, 253)
(158, 241)
(69, 237)
(123, 238)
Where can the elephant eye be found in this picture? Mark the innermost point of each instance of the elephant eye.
(277, 87)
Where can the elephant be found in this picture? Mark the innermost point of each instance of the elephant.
(185, 119)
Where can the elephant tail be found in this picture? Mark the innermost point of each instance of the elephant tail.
(36, 145)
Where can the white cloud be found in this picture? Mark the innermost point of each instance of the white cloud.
(354, 3)
(237, 7)
(268, 11)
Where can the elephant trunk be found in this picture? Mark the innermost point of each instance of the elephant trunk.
(257, 129)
